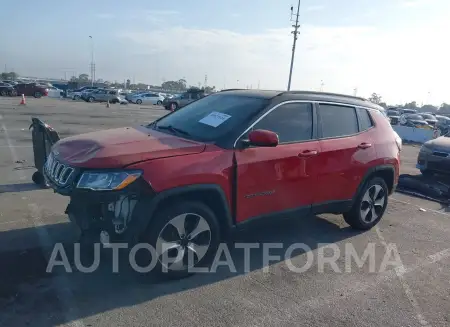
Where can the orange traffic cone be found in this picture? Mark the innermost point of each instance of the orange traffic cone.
(23, 102)
(107, 104)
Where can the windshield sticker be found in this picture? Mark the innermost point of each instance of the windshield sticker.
(214, 119)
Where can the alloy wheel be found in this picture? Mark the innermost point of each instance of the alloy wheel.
(183, 242)
(372, 203)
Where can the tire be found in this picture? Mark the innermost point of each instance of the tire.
(162, 225)
(13, 93)
(3, 93)
(138, 101)
(91, 99)
(365, 200)
(76, 97)
(37, 95)
(173, 106)
(159, 103)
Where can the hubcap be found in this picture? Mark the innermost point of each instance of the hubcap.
(183, 241)
(372, 204)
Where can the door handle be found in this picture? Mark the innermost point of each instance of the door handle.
(308, 153)
(364, 145)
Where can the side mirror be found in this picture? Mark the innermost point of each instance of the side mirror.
(262, 137)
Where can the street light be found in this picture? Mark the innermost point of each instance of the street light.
(92, 61)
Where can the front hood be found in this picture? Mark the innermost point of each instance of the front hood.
(116, 148)
(441, 143)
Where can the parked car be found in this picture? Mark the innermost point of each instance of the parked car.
(31, 89)
(104, 95)
(76, 94)
(394, 116)
(430, 119)
(443, 124)
(434, 156)
(408, 111)
(414, 120)
(184, 181)
(7, 90)
(147, 98)
(54, 92)
(182, 100)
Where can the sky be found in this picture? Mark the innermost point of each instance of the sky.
(396, 48)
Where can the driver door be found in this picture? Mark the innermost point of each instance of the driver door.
(281, 179)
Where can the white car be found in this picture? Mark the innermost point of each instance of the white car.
(147, 98)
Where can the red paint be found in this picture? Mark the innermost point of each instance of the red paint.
(263, 138)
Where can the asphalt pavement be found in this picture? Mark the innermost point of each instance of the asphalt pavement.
(413, 293)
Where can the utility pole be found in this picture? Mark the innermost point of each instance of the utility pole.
(295, 32)
(355, 91)
(92, 61)
(321, 85)
(206, 81)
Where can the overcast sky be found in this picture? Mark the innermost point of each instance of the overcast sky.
(397, 48)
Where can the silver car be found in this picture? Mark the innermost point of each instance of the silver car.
(147, 98)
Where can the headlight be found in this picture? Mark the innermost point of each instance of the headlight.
(107, 181)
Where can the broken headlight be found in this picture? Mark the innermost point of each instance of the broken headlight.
(108, 181)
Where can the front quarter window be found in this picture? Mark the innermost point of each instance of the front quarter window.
(211, 117)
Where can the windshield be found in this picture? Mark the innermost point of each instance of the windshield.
(212, 117)
(427, 116)
(393, 113)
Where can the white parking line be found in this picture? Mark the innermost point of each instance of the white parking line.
(417, 206)
(61, 284)
(399, 272)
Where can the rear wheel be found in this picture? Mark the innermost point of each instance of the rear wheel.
(159, 102)
(76, 97)
(13, 93)
(3, 93)
(184, 236)
(369, 206)
(138, 101)
(91, 99)
(37, 94)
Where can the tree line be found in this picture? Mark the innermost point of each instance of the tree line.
(444, 108)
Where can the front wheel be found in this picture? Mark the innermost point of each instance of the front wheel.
(13, 93)
(369, 206)
(173, 106)
(37, 95)
(138, 101)
(3, 93)
(91, 99)
(159, 103)
(76, 97)
(184, 236)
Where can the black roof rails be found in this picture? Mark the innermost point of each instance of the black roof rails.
(231, 90)
(325, 93)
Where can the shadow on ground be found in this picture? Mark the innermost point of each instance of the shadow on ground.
(21, 187)
(106, 290)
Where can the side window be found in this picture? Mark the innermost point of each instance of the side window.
(365, 122)
(293, 122)
(112, 92)
(195, 96)
(338, 121)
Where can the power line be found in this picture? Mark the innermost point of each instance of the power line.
(295, 32)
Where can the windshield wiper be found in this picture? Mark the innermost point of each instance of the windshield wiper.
(173, 129)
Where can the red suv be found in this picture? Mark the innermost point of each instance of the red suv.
(237, 156)
(31, 89)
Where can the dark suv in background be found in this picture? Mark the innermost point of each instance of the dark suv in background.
(31, 89)
(183, 99)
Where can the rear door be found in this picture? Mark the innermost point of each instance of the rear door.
(279, 179)
(346, 151)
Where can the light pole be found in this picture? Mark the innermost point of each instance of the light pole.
(295, 32)
(92, 61)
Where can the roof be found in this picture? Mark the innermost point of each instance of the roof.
(307, 95)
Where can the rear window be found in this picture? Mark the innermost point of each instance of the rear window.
(213, 116)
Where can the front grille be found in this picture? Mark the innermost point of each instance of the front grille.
(58, 172)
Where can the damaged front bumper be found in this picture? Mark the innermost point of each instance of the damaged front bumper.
(105, 216)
